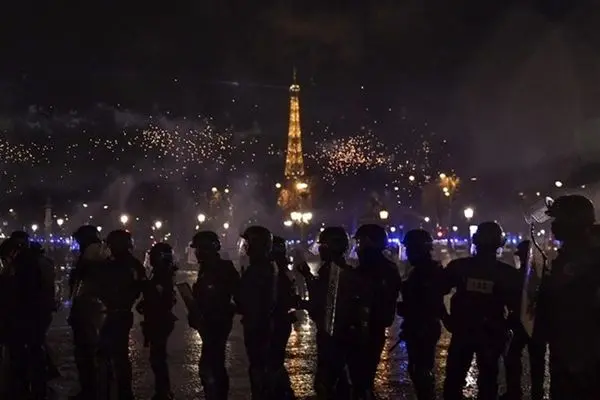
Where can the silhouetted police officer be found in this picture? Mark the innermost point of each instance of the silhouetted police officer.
(257, 301)
(159, 320)
(422, 307)
(569, 302)
(31, 307)
(87, 310)
(123, 281)
(327, 309)
(521, 340)
(376, 270)
(283, 317)
(214, 292)
(484, 287)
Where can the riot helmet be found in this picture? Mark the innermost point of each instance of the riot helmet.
(119, 241)
(333, 243)
(161, 258)
(257, 242)
(86, 235)
(489, 237)
(419, 245)
(572, 216)
(21, 238)
(9, 249)
(206, 245)
(161, 253)
(371, 241)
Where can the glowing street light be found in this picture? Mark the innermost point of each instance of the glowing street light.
(124, 218)
(288, 223)
(384, 214)
(411, 178)
(426, 219)
(34, 227)
(301, 217)
(158, 224)
(214, 190)
(558, 184)
(307, 217)
(226, 225)
(301, 185)
(60, 222)
(201, 218)
(469, 213)
(99, 228)
(278, 185)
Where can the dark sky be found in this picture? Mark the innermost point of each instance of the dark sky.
(487, 73)
(92, 50)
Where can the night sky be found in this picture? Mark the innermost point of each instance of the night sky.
(508, 86)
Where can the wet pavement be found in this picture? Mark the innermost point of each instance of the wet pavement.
(185, 347)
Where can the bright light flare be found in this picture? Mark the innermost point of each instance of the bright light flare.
(124, 218)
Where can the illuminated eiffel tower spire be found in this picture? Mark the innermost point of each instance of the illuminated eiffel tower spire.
(295, 193)
(294, 160)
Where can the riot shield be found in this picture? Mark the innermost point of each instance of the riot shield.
(530, 286)
(332, 296)
(535, 266)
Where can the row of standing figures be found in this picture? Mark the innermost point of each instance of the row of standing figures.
(351, 306)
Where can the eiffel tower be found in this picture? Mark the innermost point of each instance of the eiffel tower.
(295, 192)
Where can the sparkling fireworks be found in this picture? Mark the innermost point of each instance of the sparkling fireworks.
(185, 151)
(187, 146)
(166, 152)
(31, 154)
(349, 156)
